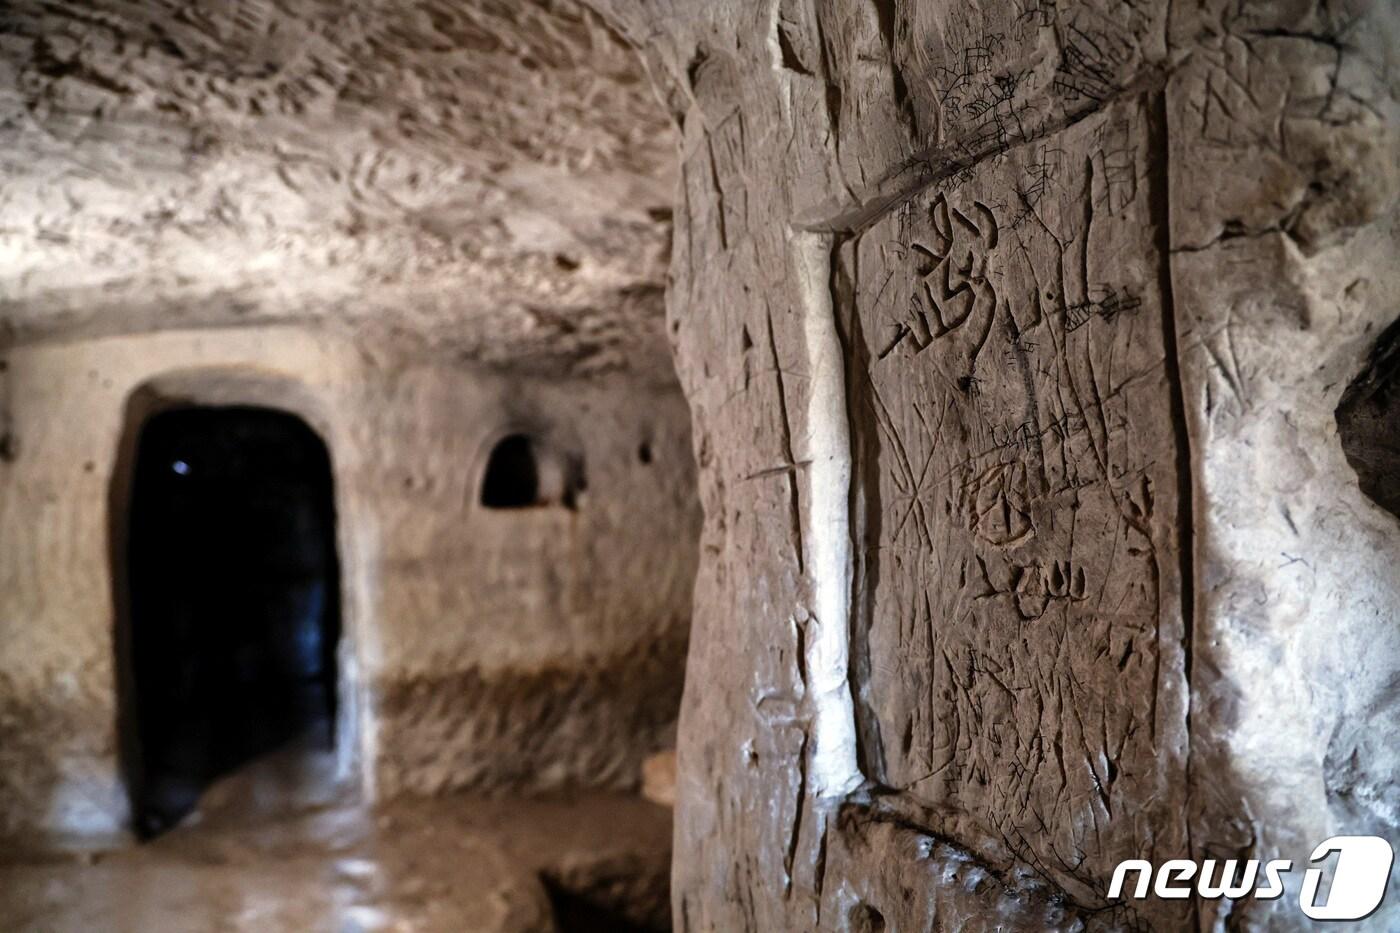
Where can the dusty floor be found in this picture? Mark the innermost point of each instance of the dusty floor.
(272, 849)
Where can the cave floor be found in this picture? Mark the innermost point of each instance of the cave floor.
(458, 863)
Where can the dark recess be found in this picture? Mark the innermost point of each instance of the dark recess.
(1368, 422)
(607, 911)
(866, 919)
(521, 474)
(512, 478)
(233, 616)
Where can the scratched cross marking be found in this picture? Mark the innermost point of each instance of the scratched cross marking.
(1105, 302)
(1114, 164)
(1041, 174)
(1089, 65)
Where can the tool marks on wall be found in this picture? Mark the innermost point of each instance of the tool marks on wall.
(1013, 451)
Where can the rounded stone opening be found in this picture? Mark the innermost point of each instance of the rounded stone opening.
(232, 617)
(522, 472)
(512, 479)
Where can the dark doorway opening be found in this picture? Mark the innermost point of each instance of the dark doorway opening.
(233, 612)
(512, 478)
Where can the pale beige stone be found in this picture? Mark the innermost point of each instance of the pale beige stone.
(659, 777)
(1014, 337)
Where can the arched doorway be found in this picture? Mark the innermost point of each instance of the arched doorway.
(233, 600)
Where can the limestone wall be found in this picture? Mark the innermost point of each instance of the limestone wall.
(1055, 558)
(517, 649)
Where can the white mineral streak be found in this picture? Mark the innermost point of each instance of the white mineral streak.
(833, 770)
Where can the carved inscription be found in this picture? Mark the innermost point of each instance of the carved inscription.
(952, 266)
(1013, 491)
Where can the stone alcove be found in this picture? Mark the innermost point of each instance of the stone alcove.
(220, 413)
(524, 469)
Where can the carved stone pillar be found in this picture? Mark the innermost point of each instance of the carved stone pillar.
(1013, 335)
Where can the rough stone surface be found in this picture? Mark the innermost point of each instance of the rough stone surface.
(489, 179)
(1106, 584)
(1036, 353)
(1285, 278)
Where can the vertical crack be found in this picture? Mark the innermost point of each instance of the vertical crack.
(1159, 149)
(794, 494)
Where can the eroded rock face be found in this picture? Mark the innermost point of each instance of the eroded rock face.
(1055, 557)
(488, 180)
(1040, 531)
